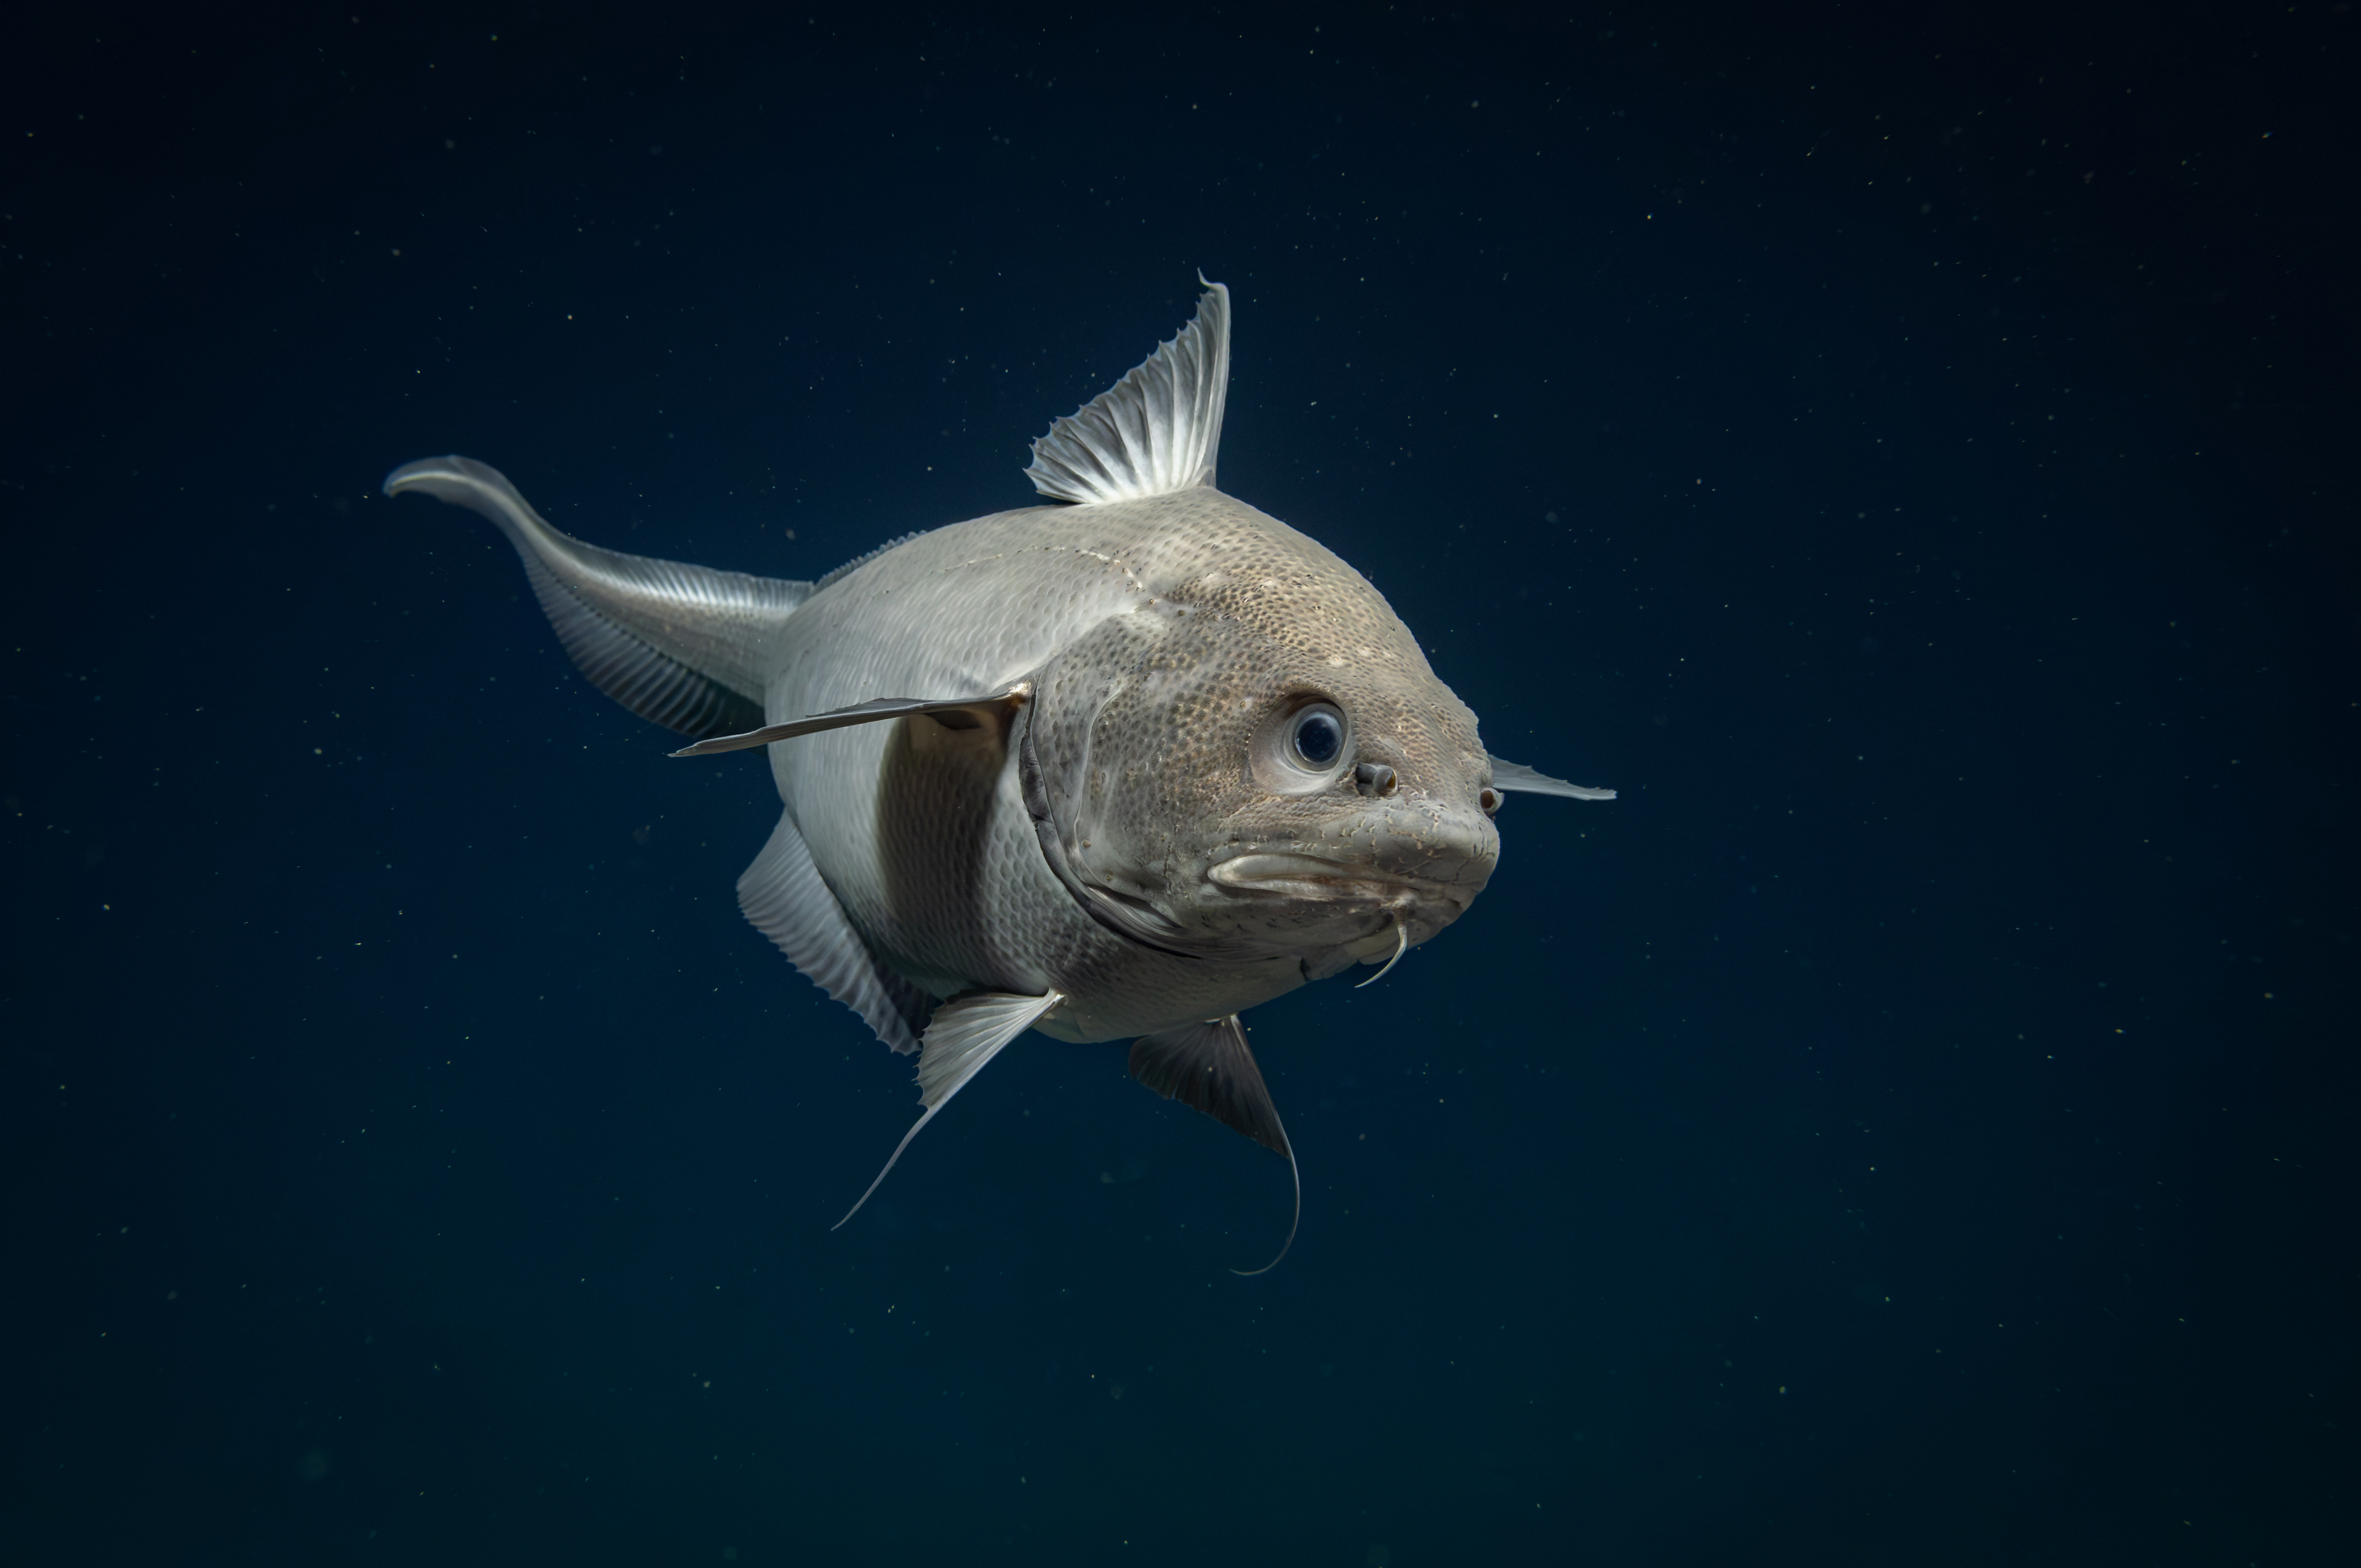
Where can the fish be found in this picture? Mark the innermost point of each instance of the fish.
(1121, 765)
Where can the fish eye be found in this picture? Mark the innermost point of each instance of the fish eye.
(1317, 737)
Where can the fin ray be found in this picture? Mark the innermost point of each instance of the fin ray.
(967, 1031)
(864, 559)
(1208, 1066)
(782, 894)
(1517, 776)
(674, 644)
(868, 712)
(1156, 431)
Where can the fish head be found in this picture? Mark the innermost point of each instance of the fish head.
(1262, 768)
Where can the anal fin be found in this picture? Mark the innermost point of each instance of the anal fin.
(783, 895)
(967, 1031)
(1208, 1066)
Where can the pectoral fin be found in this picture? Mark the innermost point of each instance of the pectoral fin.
(967, 1031)
(950, 709)
(1517, 776)
(1208, 1068)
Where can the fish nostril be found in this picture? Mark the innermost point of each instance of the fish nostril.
(1374, 778)
(1489, 801)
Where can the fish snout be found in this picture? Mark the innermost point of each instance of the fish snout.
(1447, 852)
(1398, 856)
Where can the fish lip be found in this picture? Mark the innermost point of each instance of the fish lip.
(1261, 870)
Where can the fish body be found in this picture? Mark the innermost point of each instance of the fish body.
(925, 835)
(1118, 768)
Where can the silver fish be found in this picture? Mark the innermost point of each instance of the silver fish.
(1119, 767)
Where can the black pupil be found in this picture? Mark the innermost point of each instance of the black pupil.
(1319, 739)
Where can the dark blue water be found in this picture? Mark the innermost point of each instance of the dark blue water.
(1911, 462)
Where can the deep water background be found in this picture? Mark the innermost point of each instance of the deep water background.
(1911, 460)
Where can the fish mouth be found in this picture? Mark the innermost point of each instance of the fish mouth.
(1308, 875)
(1304, 875)
(1333, 914)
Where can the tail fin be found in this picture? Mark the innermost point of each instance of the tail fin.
(676, 644)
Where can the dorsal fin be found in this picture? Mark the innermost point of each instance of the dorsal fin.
(1155, 430)
(863, 560)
